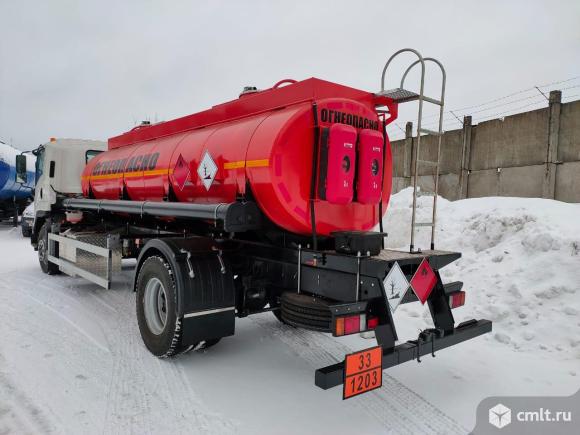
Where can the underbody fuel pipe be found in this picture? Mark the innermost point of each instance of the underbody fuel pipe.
(234, 217)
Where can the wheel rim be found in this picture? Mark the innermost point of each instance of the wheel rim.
(41, 251)
(155, 306)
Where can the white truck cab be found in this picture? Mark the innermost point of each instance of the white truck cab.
(59, 166)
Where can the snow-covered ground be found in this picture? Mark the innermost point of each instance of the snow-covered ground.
(72, 361)
(521, 269)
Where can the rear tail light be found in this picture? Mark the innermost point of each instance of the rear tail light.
(339, 326)
(351, 324)
(457, 299)
(373, 322)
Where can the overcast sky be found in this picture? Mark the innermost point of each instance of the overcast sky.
(93, 69)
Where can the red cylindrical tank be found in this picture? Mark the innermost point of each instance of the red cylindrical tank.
(263, 142)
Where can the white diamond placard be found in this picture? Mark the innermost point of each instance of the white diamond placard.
(396, 286)
(207, 170)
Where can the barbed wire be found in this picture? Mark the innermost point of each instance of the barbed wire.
(559, 82)
(508, 112)
(451, 120)
(570, 87)
(540, 99)
(508, 103)
(533, 88)
(571, 96)
(463, 110)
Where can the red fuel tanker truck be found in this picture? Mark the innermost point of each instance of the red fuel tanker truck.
(264, 203)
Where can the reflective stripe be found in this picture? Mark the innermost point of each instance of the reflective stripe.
(128, 174)
(247, 164)
(262, 163)
(203, 313)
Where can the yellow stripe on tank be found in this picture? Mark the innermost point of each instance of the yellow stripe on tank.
(262, 163)
(128, 174)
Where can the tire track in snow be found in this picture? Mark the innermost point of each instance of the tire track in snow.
(143, 393)
(395, 406)
(173, 396)
(76, 326)
(56, 345)
(128, 406)
(18, 413)
(42, 294)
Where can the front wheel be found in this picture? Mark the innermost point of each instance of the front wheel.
(159, 324)
(26, 231)
(45, 265)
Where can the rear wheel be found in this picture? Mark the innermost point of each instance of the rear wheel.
(45, 265)
(156, 301)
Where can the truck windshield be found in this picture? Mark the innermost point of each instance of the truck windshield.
(39, 162)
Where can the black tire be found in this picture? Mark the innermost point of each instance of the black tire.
(304, 311)
(204, 345)
(167, 342)
(45, 265)
(26, 231)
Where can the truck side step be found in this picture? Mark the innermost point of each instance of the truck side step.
(399, 95)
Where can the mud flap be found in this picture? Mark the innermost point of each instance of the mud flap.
(208, 325)
(204, 284)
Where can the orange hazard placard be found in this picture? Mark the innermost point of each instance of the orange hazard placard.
(363, 372)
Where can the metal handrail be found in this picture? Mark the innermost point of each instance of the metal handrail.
(404, 50)
(440, 131)
(419, 116)
(421, 99)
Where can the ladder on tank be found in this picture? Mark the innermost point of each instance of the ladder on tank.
(401, 95)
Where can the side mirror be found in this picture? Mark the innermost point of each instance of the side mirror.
(21, 176)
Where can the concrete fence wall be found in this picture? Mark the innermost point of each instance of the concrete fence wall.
(531, 154)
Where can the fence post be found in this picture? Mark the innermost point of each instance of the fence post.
(555, 107)
(465, 158)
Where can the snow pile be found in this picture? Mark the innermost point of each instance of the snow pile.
(520, 266)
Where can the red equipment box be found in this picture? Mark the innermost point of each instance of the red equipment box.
(370, 166)
(337, 164)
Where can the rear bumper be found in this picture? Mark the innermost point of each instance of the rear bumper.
(333, 375)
